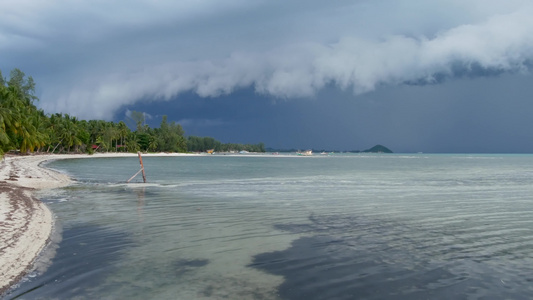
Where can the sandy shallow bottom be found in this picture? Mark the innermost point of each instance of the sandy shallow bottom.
(25, 222)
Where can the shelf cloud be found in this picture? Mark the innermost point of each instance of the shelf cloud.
(90, 58)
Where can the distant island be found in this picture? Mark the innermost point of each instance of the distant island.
(378, 149)
(375, 149)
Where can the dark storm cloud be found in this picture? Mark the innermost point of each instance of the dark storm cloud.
(90, 58)
(482, 114)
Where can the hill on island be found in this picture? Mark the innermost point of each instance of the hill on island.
(378, 149)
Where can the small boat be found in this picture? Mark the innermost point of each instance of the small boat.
(210, 151)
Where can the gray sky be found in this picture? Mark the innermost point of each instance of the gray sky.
(431, 76)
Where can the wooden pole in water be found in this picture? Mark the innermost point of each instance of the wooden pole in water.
(142, 166)
(141, 170)
(134, 176)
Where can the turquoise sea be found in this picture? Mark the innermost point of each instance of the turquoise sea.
(341, 226)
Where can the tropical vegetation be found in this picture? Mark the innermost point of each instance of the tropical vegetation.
(26, 128)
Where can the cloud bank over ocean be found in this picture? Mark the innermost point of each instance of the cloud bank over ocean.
(92, 58)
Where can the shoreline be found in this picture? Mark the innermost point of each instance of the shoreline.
(26, 223)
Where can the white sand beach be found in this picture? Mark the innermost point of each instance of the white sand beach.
(25, 222)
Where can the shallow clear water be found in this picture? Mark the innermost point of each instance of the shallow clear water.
(322, 227)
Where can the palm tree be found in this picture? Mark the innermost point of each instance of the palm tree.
(19, 120)
(123, 132)
(101, 143)
(54, 128)
(132, 143)
(153, 143)
(70, 132)
(37, 122)
(5, 119)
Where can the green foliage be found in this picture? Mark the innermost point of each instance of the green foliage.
(25, 85)
(143, 139)
(139, 119)
(132, 145)
(20, 120)
(2, 79)
(169, 137)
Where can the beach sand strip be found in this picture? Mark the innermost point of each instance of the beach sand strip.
(25, 222)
